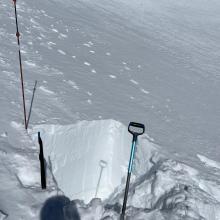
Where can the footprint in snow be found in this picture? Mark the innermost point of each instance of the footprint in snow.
(23, 51)
(42, 35)
(45, 90)
(28, 31)
(54, 30)
(89, 101)
(61, 52)
(87, 64)
(34, 22)
(72, 84)
(50, 43)
(127, 68)
(62, 36)
(134, 82)
(145, 91)
(29, 63)
(86, 45)
(67, 30)
(93, 71)
(113, 76)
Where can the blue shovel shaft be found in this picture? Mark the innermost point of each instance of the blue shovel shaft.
(131, 157)
(128, 177)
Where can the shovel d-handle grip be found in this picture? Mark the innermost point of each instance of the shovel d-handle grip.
(136, 125)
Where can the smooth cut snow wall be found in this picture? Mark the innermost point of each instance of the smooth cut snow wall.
(77, 153)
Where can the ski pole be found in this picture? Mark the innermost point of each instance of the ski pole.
(135, 129)
(42, 165)
(21, 71)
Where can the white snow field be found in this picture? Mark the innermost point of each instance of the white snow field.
(90, 67)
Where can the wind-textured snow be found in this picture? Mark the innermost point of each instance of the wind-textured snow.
(171, 49)
(155, 62)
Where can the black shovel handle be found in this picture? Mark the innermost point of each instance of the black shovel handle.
(42, 164)
(137, 125)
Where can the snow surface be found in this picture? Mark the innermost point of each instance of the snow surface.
(155, 62)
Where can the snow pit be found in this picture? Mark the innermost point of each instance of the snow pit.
(77, 153)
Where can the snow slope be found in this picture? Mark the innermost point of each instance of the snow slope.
(156, 60)
(150, 61)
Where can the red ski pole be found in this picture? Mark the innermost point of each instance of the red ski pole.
(21, 71)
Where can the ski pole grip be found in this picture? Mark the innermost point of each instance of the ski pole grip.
(136, 128)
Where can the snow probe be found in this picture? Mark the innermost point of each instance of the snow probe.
(102, 165)
(135, 129)
(21, 71)
(42, 164)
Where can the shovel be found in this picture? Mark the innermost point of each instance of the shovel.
(135, 129)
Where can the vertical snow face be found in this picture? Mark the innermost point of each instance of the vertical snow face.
(88, 158)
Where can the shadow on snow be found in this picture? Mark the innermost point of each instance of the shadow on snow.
(59, 208)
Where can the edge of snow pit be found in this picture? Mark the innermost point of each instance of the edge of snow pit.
(75, 152)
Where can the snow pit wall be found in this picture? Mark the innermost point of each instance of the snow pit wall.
(77, 153)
